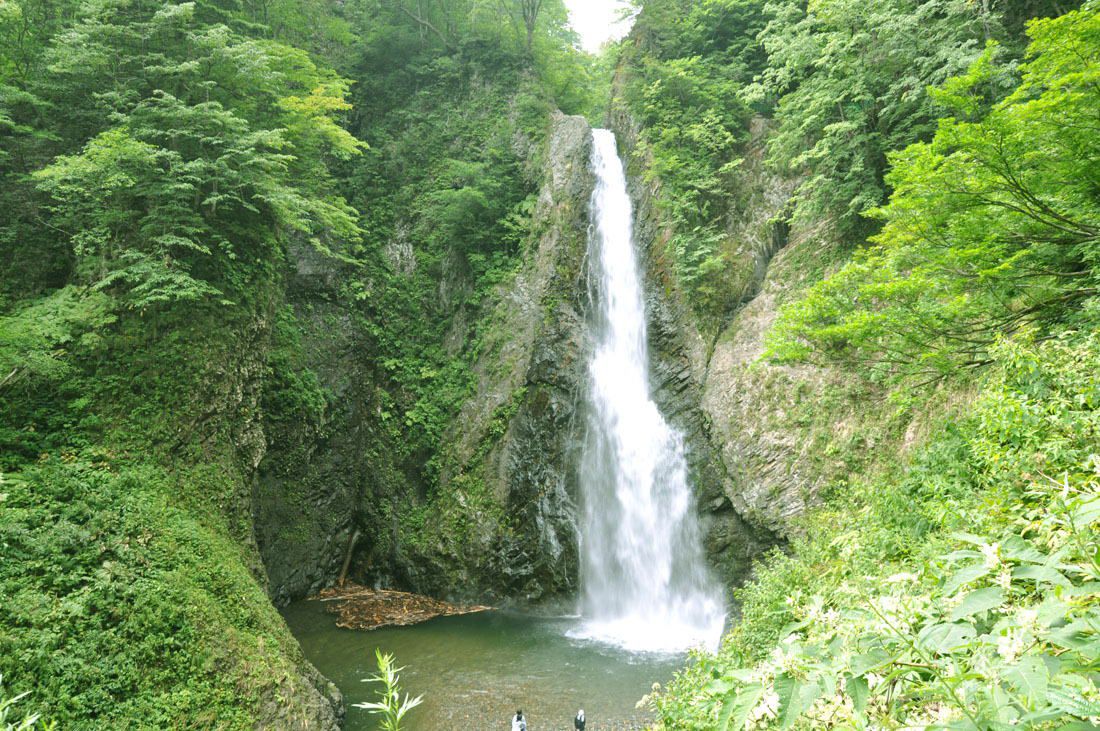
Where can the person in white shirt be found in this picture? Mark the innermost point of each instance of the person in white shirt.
(518, 722)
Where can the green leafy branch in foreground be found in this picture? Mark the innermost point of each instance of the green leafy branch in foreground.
(12, 719)
(389, 704)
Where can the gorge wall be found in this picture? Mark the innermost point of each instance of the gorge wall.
(681, 373)
(502, 524)
(766, 439)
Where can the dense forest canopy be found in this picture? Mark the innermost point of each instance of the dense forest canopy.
(843, 84)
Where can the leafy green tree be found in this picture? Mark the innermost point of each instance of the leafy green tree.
(212, 151)
(850, 79)
(28, 137)
(993, 227)
(525, 14)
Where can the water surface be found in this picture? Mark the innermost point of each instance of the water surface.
(476, 670)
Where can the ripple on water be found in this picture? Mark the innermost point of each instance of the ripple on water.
(475, 671)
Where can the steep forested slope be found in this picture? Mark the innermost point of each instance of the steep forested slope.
(237, 317)
(931, 390)
(157, 160)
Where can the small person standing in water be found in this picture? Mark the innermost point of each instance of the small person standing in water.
(578, 722)
(518, 723)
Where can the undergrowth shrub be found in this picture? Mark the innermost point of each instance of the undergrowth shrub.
(965, 594)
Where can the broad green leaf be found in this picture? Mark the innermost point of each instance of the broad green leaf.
(1040, 574)
(980, 600)
(795, 697)
(1052, 610)
(964, 576)
(862, 664)
(1030, 678)
(1086, 512)
(1017, 549)
(740, 675)
(1002, 711)
(737, 707)
(1090, 588)
(858, 690)
(945, 637)
(970, 538)
(1070, 701)
(1079, 635)
(719, 686)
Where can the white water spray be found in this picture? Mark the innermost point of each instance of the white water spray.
(644, 581)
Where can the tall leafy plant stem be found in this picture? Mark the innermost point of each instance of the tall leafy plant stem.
(932, 668)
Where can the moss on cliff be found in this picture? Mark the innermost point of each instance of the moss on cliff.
(135, 591)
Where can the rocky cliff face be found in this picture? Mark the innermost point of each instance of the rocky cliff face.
(787, 433)
(514, 440)
(765, 439)
(679, 374)
(501, 522)
(309, 483)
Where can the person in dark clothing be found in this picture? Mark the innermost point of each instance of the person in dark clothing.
(578, 722)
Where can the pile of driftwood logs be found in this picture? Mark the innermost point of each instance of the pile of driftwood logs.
(359, 607)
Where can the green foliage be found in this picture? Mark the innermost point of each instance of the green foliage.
(992, 228)
(124, 610)
(683, 85)
(292, 392)
(850, 79)
(34, 340)
(846, 82)
(39, 342)
(450, 186)
(959, 594)
(389, 705)
(12, 719)
(161, 162)
(188, 187)
(130, 598)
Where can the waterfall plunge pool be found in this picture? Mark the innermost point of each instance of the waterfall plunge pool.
(644, 580)
(475, 670)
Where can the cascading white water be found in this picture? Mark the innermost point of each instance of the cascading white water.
(644, 581)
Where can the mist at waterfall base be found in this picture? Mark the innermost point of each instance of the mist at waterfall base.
(644, 580)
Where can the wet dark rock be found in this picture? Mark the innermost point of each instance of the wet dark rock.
(534, 366)
(679, 375)
(307, 487)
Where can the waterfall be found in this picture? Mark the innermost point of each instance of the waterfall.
(644, 580)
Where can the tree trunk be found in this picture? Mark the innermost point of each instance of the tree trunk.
(347, 557)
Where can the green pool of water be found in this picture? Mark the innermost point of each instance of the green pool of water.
(474, 671)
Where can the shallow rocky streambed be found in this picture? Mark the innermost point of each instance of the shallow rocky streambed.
(474, 671)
